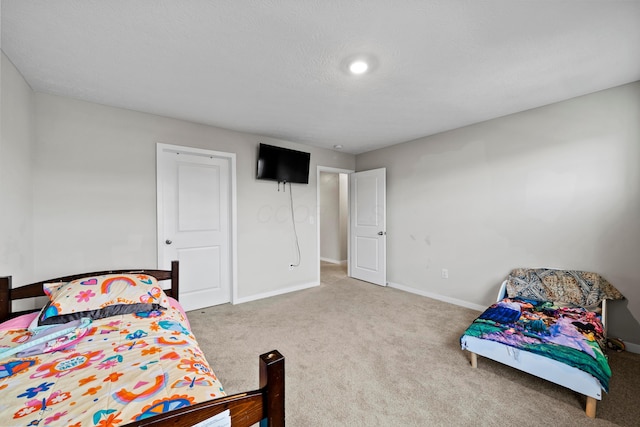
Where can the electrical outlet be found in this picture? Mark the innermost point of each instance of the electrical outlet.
(445, 273)
(290, 267)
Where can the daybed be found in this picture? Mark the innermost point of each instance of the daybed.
(549, 323)
(114, 348)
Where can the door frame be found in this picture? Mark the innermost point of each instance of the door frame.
(233, 249)
(328, 169)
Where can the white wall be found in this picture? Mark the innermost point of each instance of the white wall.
(555, 186)
(95, 195)
(16, 156)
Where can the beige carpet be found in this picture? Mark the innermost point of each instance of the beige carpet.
(358, 354)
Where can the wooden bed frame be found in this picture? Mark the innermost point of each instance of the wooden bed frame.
(541, 366)
(264, 405)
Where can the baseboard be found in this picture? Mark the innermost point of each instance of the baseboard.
(438, 297)
(629, 346)
(276, 292)
(333, 261)
(632, 347)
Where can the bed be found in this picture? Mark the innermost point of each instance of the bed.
(115, 348)
(550, 323)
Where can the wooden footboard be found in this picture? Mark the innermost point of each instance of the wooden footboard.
(264, 406)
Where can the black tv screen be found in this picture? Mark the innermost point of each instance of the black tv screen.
(283, 165)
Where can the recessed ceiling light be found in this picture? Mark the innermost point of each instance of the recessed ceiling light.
(358, 67)
(359, 64)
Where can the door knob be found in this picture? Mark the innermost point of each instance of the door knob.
(381, 233)
(168, 242)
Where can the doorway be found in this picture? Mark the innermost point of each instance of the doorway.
(333, 216)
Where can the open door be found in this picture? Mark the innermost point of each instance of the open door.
(368, 226)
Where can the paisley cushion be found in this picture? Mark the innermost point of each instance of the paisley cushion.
(581, 288)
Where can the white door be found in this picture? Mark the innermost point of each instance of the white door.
(368, 227)
(194, 219)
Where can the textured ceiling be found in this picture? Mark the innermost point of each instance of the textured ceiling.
(278, 67)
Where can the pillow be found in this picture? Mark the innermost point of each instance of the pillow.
(21, 322)
(581, 288)
(101, 296)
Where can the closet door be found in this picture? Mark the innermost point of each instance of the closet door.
(194, 222)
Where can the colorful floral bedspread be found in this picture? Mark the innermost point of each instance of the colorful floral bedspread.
(570, 335)
(128, 367)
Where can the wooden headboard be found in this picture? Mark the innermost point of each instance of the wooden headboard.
(8, 294)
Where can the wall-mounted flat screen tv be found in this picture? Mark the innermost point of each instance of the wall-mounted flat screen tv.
(283, 165)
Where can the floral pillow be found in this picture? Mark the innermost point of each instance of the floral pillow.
(101, 296)
(581, 288)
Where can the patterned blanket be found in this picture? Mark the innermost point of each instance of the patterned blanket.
(580, 288)
(570, 335)
(126, 368)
